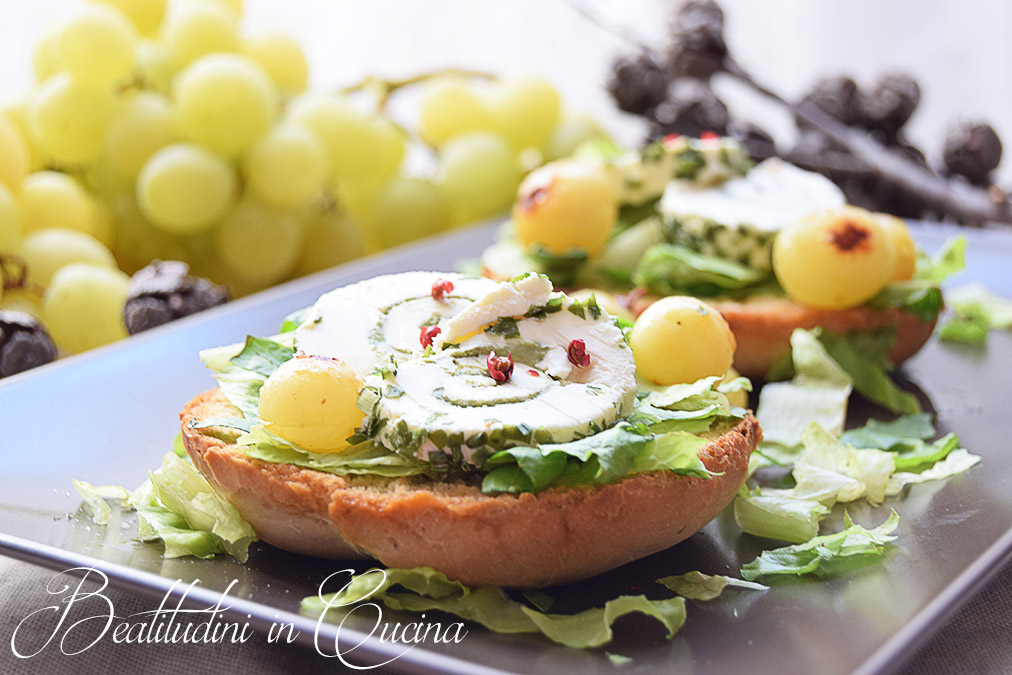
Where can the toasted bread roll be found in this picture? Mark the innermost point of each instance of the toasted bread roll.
(527, 540)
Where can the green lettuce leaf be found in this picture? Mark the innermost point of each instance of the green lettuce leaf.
(968, 329)
(819, 392)
(906, 438)
(424, 589)
(562, 269)
(366, 457)
(829, 471)
(894, 435)
(921, 295)
(783, 518)
(669, 269)
(180, 488)
(958, 461)
(675, 451)
(864, 355)
(950, 259)
(827, 555)
(295, 319)
(660, 435)
(262, 355)
(698, 586)
(95, 497)
(977, 311)
(975, 300)
(178, 507)
(603, 458)
(156, 523)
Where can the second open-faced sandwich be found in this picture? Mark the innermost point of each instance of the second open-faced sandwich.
(772, 247)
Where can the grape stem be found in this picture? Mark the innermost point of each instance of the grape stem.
(14, 274)
(967, 203)
(385, 88)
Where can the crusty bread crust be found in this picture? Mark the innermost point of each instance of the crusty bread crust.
(763, 325)
(527, 540)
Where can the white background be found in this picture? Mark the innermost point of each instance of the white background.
(959, 51)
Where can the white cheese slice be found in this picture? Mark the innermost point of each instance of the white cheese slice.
(449, 403)
(511, 298)
(770, 196)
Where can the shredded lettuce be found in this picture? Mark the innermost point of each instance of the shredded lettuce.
(819, 392)
(295, 319)
(366, 457)
(906, 437)
(829, 471)
(95, 497)
(958, 461)
(177, 506)
(669, 269)
(977, 311)
(424, 589)
(783, 518)
(950, 259)
(698, 586)
(828, 555)
(890, 435)
(864, 355)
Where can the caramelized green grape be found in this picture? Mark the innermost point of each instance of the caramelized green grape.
(681, 339)
(904, 249)
(565, 206)
(311, 401)
(833, 259)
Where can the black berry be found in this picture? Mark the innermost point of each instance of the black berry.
(889, 105)
(163, 292)
(972, 150)
(24, 343)
(638, 84)
(697, 45)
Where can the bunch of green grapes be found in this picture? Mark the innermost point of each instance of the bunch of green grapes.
(158, 130)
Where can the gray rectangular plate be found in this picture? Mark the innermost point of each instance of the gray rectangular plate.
(109, 415)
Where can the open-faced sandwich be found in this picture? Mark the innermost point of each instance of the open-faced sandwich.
(493, 431)
(772, 247)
